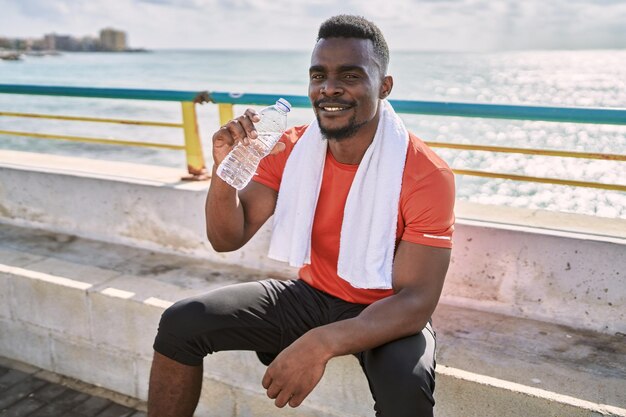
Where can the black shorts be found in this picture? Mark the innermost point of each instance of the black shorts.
(267, 316)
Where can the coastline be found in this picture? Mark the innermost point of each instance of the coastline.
(562, 79)
(54, 52)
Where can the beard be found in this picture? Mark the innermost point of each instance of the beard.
(340, 133)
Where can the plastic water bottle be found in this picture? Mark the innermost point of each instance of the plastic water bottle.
(241, 163)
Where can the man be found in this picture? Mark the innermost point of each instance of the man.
(297, 326)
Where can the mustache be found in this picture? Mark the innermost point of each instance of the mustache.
(319, 103)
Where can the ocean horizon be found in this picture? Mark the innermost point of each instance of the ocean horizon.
(578, 78)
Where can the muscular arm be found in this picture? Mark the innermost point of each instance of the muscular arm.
(233, 218)
(418, 277)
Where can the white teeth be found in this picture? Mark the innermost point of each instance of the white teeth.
(333, 108)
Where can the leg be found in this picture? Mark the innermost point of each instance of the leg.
(255, 316)
(174, 388)
(401, 375)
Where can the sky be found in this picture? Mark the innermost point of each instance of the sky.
(425, 25)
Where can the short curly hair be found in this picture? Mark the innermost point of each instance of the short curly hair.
(350, 26)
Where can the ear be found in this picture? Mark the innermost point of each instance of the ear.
(386, 86)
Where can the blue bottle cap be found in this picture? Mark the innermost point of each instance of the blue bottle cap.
(284, 105)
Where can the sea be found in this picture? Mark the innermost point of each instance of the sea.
(590, 78)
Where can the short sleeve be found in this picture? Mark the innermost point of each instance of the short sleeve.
(269, 173)
(270, 169)
(428, 210)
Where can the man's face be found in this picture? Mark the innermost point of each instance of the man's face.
(344, 86)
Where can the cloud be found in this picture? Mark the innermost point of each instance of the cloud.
(289, 24)
(180, 3)
(600, 2)
(43, 8)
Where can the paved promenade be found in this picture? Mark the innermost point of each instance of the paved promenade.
(26, 391)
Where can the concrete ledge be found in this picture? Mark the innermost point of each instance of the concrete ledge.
(543, 221)
(559, 277)
(509, 261)
(530, 322)
(492, 397)
(490, 364)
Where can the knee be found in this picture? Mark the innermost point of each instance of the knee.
(398, 373)
(402, 376)
(178, 336)
(181, 318)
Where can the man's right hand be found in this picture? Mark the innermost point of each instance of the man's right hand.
(232, 218)
(240, 129)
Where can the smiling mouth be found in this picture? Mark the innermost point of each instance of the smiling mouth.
(333, 107)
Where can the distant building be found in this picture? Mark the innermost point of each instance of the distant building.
(61, 42)
(112, 40)
(90, 44)
(49, 42)
(36, 45)
(6, 43)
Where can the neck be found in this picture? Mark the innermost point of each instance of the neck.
(349, 151)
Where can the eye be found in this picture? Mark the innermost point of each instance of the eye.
(351, 76)
(317, 76)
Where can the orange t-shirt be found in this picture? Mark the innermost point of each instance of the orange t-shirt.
(425, 214)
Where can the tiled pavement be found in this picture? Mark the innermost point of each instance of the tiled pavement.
(26, 391)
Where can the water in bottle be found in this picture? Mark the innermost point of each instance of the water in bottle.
(241, 163)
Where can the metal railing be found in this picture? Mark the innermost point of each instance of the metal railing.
(192, 146)
(226, 101)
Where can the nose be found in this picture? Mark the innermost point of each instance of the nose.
(331, 88)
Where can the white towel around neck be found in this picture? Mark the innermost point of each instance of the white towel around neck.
(368, 231)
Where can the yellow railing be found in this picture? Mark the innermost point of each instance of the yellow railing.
(192, 146)
(615, 116)
(225, 101)
(541, 152)
(91, 139)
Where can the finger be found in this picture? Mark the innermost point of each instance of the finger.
(267, 379)
(253, 115)
(296, 400)
(278, 148)
(247, 120)
(236, 130)
(282, 399)
(273, 391)
(300, 395)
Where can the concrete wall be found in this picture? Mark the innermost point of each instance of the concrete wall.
(561, 277)
(97, 324)
(85, 322)
(87, 318)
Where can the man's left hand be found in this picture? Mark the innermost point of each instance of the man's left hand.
(294, 373)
